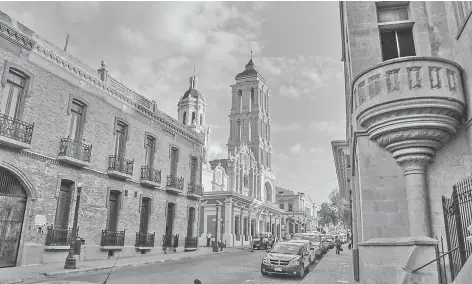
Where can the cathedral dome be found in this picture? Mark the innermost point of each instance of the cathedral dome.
(192, 91)
(249, 71)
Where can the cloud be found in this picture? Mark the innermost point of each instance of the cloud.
(133, 38)
(216, 150)
(327, 126)
(295, 149)
(294, 127)
(289, 91)
(80, 12)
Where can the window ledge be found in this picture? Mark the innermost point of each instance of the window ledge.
(397, 25)
(111, 247)
(461, 28)
(57, 247)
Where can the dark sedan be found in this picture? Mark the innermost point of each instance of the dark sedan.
(287, 259)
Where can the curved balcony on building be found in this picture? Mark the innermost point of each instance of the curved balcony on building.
(423, 94)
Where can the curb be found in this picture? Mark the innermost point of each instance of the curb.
(79, 271)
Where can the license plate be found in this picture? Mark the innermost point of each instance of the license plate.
(278, 268)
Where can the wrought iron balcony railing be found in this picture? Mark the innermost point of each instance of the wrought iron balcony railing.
(75, 149)
(175, 182)
(150, 174)
(194, 188)
(112, 238)
(58, 236)
(16, 129)
(120, 164)
(145, 240)
(191, 242)
(170, 241)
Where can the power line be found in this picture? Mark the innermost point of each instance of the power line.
(321, 184)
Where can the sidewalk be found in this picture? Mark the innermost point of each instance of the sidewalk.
(332, 269)
(40, 272)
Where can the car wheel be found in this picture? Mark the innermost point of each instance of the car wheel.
(264, 273)
(301, 273)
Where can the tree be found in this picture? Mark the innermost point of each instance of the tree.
(327, 214)
(337, 210)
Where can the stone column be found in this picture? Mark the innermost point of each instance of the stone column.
(233, 177)
(228, 236)
(417, 194)
(237, 181)
(241, 178)
(241, 226)
(249, 221)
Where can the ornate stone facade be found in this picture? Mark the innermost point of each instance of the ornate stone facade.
(245, 184)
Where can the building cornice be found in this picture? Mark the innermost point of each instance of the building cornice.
(114, 89)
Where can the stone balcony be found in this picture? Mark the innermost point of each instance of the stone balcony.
(411, 106)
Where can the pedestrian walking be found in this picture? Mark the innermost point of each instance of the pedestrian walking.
(337, 243)
(208, 239)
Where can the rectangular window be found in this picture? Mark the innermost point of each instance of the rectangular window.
(193, 170)
(392, 14)
(76, 121)
(113, 209)
(12, 94)
(64, 201)
(120, 139)
(290, 207)
(282, 206)
(149, 158)
(174, 152)
(397, 43)
(145, 211)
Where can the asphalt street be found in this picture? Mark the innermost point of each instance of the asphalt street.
(232, 268)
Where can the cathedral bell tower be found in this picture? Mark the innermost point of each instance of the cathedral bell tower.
(191, 107)
(191, 112)
(249, 116)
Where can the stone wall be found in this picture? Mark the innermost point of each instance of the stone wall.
(382, 192)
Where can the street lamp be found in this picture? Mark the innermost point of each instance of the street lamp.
(221, 233)
(215, 245)
(70, 260)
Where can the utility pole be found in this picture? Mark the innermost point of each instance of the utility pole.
(67, 43)
(70, 260)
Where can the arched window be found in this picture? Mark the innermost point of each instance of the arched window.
(252, 97)
(185, 118)
(193, 118)
(201, 119)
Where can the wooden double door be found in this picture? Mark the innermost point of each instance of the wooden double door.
(12, 212)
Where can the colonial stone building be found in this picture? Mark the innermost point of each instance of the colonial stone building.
(64, 126)
(240, 190)
(300, 211)
(407, 153)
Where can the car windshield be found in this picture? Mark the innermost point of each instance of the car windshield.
(264, 235)
(313, 238)
(286, 249)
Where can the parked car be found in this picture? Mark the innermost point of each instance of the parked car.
(315, 240)
(267, 241)
(287, 259)
(312, 250)
(329, 240)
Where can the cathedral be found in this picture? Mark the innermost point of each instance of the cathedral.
(239, 191)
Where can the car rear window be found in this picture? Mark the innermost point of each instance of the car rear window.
(313, 238)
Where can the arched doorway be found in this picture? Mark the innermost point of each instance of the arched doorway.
(268, 191)
(12, 211)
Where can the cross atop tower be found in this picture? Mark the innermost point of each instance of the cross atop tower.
(193, 70)
(251, 53)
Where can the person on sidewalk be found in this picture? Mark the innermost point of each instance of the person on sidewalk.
(208, 239)
(337, 243)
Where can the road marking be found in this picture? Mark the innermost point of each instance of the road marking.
(341, 281)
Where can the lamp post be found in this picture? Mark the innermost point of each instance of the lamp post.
(221, 233)
(70, 260)
(215, 245)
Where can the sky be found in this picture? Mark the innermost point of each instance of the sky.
(152, 47)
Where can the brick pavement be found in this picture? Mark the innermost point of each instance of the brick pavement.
(37, 272)
(332, 269)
